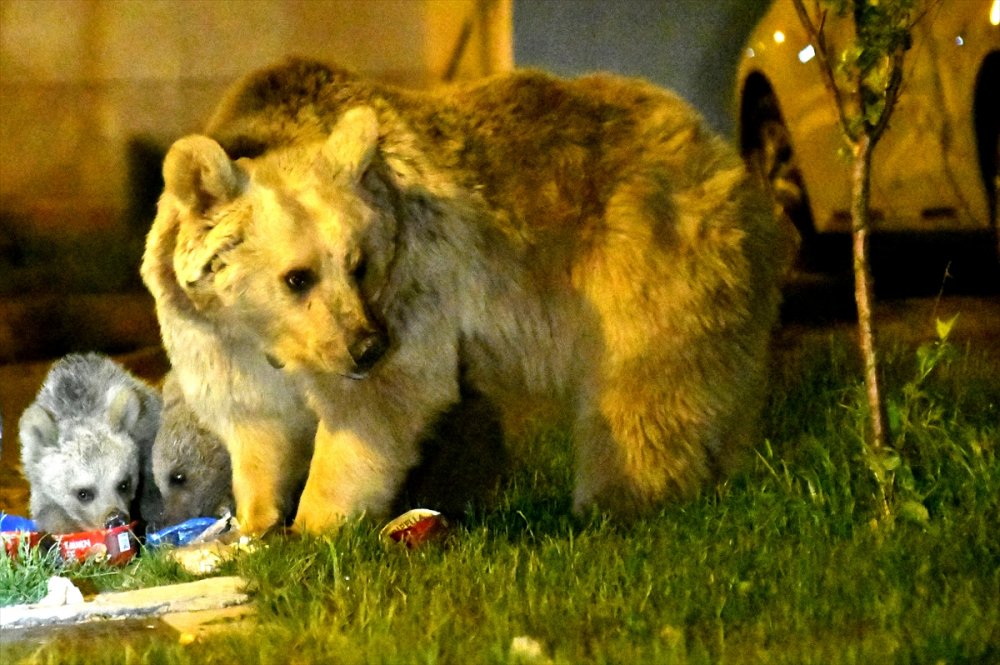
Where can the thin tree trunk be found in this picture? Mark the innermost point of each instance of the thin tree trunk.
(863, 284)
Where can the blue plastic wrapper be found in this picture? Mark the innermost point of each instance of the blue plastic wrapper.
(16, 523)
(180, 534)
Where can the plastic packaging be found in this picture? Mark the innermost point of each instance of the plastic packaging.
(10, 523)
(117, 543)
(194, 530)
(414, 527)
(14, 529)
(179, 534)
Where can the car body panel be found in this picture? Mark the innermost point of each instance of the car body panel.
(925, 171)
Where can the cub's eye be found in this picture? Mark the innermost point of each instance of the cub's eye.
(85, 495)
(177, 478)
(300, 280)
(124, 486)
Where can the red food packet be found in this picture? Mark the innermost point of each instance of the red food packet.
(414, 527)
(12, 540)
(118, 544)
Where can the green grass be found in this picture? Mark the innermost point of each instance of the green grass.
(817, 553)
(24, 578)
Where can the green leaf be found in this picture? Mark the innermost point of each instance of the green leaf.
(914, 511)
(873, 113)
(925, 361)
(905, 479)
(889, 460)
(895, 417)
(944, 327)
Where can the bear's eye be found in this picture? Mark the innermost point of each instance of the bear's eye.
(299, 280)
(177, 479)
(124, 486)
(85, 495)
(358, 268)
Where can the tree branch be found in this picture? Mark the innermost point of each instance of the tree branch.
(891, 96)
(818, 40)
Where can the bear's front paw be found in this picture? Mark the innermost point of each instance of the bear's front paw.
(315, 521)
(258, 520)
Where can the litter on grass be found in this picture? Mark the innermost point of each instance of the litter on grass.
(116, 544)
(414, 528)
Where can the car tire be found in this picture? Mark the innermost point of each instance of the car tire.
(766, 146)
(774, 164)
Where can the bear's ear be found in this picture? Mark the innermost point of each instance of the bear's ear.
(38, 430)
(200, 255)
(124, 409)
(352, 143)
(199, 174)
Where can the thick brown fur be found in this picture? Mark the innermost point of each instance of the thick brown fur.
(589, 242)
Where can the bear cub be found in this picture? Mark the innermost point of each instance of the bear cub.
(86, 442)
(190, 465)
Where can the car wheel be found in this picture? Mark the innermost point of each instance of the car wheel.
(774, 163)
(766, 146)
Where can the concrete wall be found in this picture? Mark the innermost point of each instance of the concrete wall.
(691, 46)
(89, 87)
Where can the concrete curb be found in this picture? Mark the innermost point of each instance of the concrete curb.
(207, 594)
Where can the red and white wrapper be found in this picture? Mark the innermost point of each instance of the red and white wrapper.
(414, 527)
(118, 545)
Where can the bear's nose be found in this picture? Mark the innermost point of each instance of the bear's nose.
(367, 350)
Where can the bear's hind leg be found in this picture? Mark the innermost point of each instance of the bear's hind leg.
(638, 446)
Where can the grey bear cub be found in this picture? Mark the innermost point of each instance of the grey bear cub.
(190, 465)
(86, 443)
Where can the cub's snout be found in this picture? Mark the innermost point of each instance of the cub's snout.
(116, 518)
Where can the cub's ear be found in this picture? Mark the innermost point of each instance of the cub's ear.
(353, 141)
(38, 430)
(124, 409)
(199, 174)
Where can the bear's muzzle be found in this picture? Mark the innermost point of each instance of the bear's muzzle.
(366, 351)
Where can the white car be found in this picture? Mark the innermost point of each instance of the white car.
(935, 168)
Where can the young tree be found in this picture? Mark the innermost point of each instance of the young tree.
(864, 80)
